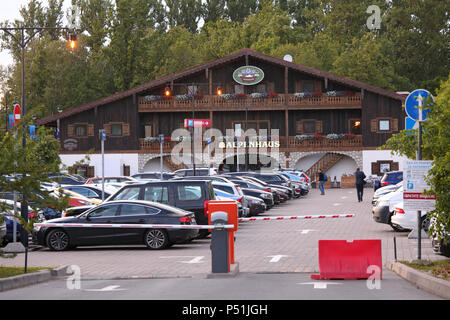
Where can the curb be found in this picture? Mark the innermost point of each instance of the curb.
(29, 279)
(438, 287)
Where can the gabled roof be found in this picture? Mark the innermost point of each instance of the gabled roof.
(212, 64)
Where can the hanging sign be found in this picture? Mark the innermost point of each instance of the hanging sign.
(248, 75)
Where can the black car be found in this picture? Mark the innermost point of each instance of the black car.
(249, 184)
(189, 195)
(256, 205)
(284, 193)
(265, 196)
(118, 212)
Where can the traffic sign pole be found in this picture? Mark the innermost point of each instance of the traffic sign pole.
(419, 213)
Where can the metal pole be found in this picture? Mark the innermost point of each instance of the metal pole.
(161, 139)
(246, 138)
(103, 169)
(419, 213)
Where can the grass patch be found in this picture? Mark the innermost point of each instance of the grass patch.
(6, 272)
(438, 269)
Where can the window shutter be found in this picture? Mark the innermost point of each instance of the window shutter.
(107, 128)
(90, 172)
(375, 168)
(319, 126)
(90, 130)
(394, 124)
(125, 129)
(298, 86)
(70, 130)
(299, 127)
(374, 125)
(394, 166)
(270, 87)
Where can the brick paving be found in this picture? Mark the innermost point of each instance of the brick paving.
(257, 244)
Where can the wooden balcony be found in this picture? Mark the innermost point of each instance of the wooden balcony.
(286, 145)
(281, 102)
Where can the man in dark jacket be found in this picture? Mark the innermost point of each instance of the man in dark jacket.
(360, 176)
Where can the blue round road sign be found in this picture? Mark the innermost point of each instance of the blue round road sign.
(416, 101)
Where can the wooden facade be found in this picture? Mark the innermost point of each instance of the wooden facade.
(130, 116)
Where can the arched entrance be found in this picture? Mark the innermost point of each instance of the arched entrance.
(256, 162)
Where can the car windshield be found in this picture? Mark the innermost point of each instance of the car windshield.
(127, 194)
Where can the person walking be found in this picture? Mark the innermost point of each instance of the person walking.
(360, 182)
(321, 182)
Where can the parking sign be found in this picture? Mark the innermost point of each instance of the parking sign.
(414, 185)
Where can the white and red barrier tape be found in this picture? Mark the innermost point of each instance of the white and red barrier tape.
(297, 217)
(135, 226)
(185, 226)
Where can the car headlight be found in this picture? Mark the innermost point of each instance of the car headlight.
(265, 196)
(383, 203)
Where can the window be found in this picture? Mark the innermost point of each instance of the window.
(355, 126)
(308, 86)
(132, 210)
(385, 167)
(105, 211)
(309, 126)
(128, 194)
(224, 188)
(80, 131)
(192, 90)
(85, 192)
(189, 193)
(156, 194)
(116, 129)
(384, 125)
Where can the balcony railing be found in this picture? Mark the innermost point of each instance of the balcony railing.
(290, 144)
(281, 101)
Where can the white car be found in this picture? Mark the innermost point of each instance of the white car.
(407, 219)
(198, 172)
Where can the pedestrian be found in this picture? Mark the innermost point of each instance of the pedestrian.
(360, 182)
(321, 181)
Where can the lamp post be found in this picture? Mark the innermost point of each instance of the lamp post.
(23, 42)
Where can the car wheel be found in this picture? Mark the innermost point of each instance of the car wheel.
(156, 239)
(57, 240)
(425, 223)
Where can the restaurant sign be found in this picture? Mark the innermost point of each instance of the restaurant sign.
(248, 75)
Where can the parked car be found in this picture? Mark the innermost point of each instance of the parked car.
(119, 212)
(189, 195)
(249, 184)
(217, 178)
(284, 193)
(385, 190)
(63, 179)
(90, 191)
(242, 211)
(392, 177)
(255, 205)
(235, 190)
(299, 186)
(47, 212)
(384, 208)
(153, 175)
(98, 180)
(440, 246)
(8, 214)
(198, 172)
(75, 211)
(265, 196)
(407, 219)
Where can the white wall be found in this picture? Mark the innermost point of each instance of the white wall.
(307, 162)
(113, 162)
(370, 156)
(346, 165)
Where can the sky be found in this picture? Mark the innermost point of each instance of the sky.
(9, 10)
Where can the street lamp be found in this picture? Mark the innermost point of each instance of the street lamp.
(23, 42)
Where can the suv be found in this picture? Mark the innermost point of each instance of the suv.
(389, 178)
(198, 172)
(189, 195)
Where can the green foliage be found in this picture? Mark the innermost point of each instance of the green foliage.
(24, 169)
(436, 147)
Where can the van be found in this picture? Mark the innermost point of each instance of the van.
(189, 195)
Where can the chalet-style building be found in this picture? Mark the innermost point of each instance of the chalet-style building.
(324, 120)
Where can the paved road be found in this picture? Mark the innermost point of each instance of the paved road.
(261, 246)
(245, 286)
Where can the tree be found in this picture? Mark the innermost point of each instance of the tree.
(185, 13)
(24, 169)
(213, 10)
(238, 10)
(436, 143)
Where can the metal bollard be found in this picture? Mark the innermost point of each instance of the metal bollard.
(219, 244)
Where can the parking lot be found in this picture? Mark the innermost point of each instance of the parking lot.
(286, 246)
